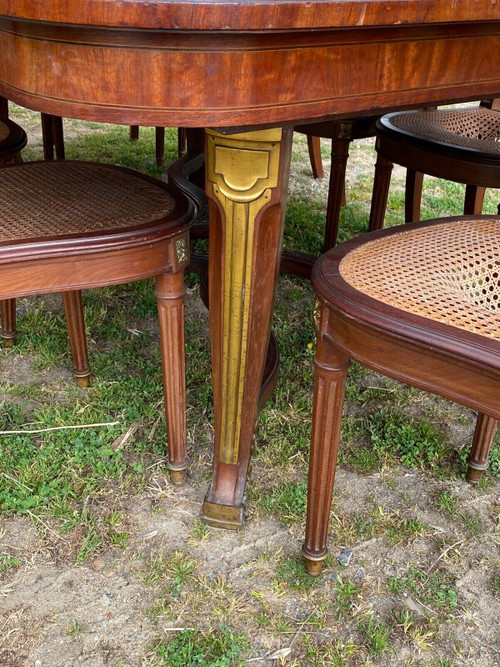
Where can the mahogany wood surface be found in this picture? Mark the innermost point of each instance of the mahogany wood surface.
(233, 64)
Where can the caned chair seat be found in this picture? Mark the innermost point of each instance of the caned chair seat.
(67, 226)
(421, 304)
(461, 145)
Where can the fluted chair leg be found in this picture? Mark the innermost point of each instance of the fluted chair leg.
(76, 332)
(170, 300)
(8, 311)
(483, 438)
(329, 390)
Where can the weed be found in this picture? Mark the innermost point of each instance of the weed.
(287, 501)
(219, 647)
(291, 571)
(377, 635)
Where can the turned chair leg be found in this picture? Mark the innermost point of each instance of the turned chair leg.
(329, 390)
(169, 294)
(381, 182)
(336, 190)
(76, 332)
(8, 311)
(483, 438)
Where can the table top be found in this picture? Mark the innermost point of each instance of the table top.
(244, 64)
(251, 15)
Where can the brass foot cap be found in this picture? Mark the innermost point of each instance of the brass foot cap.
(314, 564)
(8, 342)
(231, 517)
(83, 381)
(474, 476)
(178, 477)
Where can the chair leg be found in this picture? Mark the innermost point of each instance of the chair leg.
(336, 190)
(8, 310)
(481, 445)
(329, 389)
(58, 137)
(134, 132)
(474, 199)
(76, 331)
(382, 180)
(160, 146)
(413, 195)
(181, 142)
(47, 136)
(170, 300)
(314, 148)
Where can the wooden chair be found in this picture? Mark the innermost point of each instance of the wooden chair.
(461, 145)
(67, 226)
(342, 132)
(420, 304)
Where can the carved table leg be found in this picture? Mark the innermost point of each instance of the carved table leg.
(169, 294)
(246, 177)
(329, 390)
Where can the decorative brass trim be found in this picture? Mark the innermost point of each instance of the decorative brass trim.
(243, 168)
(182, 250)
(223, 516)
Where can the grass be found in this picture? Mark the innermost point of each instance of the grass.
(79, 489)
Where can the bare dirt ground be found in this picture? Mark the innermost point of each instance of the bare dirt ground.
(55, 613)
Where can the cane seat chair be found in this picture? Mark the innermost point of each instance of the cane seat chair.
(461, 145)
(67, 226)
(420, 304)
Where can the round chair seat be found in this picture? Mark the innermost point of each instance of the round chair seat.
(420, 304)
(475, 130)
(12, 140)
(445, 273)
(75, 206)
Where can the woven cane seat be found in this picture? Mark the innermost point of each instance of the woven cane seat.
(66, 198)
(447, 273)
(471, 129)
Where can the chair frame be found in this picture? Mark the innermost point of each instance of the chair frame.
(71, 263)
(352, 325)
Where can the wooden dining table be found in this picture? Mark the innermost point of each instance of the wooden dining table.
(247, 71)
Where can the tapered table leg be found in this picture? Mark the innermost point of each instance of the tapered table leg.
(246, 179)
